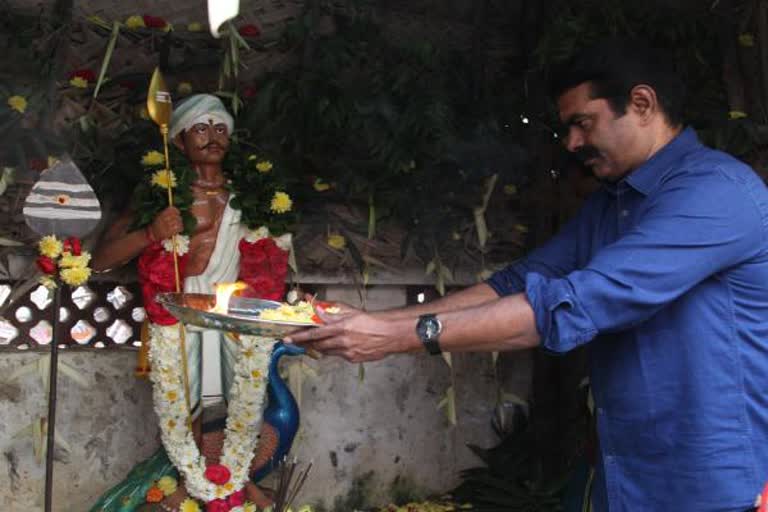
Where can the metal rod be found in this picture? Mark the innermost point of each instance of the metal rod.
(51, 421)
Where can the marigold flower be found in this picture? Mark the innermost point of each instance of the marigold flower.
(281, 203)
(195, 27)
(164, 179)
(79, 82)
(50, 246)
(190, 505)
(168, 485)
(264, 166)
(18, 103)
(152, 158)
(320, 185)
(747, 40)
(134, 22)
(736, 114)
(154, 495)
(75, 276)
(337, 241)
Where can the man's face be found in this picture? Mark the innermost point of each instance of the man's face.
(602, 140)
(205, 143)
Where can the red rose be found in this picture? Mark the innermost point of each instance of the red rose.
(249, 31)
(236, 498)
(217, 506)
(156, 275)
(76, 246)
(86, 74)
(217, 473)
(263, 266)
(46, 265)
(250, 91)
(154, 21)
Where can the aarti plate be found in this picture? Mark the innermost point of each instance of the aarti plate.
(242, 318)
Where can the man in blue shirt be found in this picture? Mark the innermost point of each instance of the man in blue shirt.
(664, 273)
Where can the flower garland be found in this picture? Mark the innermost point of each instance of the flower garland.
(220, 485)
(62, 260)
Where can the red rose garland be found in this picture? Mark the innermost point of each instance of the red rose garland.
(157, 275)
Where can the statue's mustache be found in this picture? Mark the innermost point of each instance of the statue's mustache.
(211, 145)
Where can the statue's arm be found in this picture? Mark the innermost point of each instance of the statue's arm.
(120, 244)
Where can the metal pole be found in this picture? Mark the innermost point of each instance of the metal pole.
(53, 374)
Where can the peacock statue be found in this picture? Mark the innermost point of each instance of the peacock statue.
(281, 422)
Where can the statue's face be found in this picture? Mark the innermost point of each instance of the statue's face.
(204, 143)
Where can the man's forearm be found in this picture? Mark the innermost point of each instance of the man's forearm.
(469, 297)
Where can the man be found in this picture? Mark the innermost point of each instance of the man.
(200, 129)
(663, 272)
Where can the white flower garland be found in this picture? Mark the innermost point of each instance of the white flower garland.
(244, 414)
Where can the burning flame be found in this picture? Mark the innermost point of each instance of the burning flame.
(223, 293)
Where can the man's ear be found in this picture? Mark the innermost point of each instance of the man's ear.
(178, 141)
(643, 102)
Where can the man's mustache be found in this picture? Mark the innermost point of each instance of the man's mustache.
(211, 145)
(585, 153)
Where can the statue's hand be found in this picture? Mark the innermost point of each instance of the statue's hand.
(167, 223)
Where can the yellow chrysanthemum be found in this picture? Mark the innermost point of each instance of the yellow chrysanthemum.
(164, 179)
(18, 103)
(195, 27)
(134, 22)
(168, 27)
(168, 485)
(320, 185)
(281, 203)
(264, 166)
(69, 261)
(305, 508)
(510, 190)
(48, 282)
(184, 88)
(75, 276)
(50, 246)
(249, 507)
(152, 158)
(79, 82)
(747, 40)
(337, 242)
(190, 505)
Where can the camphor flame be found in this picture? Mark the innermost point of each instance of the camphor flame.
(223, 293)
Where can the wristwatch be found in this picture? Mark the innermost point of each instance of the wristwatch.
(428, 329)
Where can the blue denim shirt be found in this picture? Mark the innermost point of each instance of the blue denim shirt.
(665, 275)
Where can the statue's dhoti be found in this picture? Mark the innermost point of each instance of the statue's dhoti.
(209, 348)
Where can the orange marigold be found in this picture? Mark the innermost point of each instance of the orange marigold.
(155, 495)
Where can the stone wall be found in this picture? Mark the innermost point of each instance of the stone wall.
(379, 433)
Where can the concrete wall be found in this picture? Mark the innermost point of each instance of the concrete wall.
(381, 430)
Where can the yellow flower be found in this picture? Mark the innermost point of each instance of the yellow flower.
(18, 103)
(75, 276)
(195, 27)
(48, 282)
(172, 396)
(522, 228)
(510, 190)
(249, 507)
(50, 246)
(69, 261)
(164, 179)
(184, 88)
(305, 508)
(79, 82)
(252, 158)
(281, 203)
(320, 185)
(153, 158)
(337, 242)
(256, 374)
(168, 485)
(264, 166)
(168, 27)
(736, 114)
(134, 22)
(229, 486)
(190, 505)
(171, 424)
(747, 40)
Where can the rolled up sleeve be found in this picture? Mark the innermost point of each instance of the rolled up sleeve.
(690, 231)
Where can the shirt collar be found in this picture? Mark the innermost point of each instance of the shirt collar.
(645, 178)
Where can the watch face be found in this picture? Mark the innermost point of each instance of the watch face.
(432, 328)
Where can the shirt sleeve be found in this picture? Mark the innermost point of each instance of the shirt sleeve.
(692, 229)
(555, 258)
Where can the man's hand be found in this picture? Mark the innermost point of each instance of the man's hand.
(167, 223)
(353, 335)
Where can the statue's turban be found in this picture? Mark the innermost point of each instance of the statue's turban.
(200, 108)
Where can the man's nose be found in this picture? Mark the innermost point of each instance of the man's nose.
(573, 141)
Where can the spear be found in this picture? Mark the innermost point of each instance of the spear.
(160, 108)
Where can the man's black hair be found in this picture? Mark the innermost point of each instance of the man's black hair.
(615, 66)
